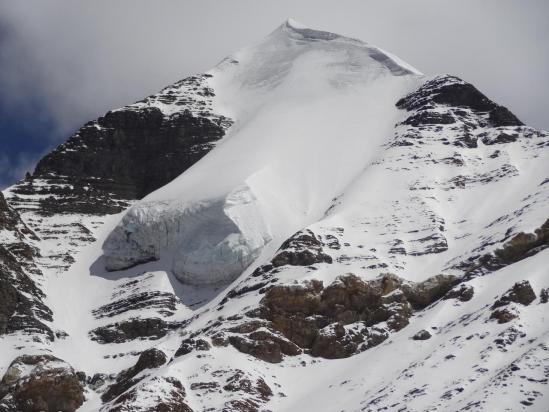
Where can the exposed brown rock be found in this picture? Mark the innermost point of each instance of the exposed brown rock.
(334, 321)
(521, 292)
(522, 244)
(503, 315)
(335, 341)
(35, 383)
(424, 293)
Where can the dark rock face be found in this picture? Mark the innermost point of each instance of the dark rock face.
(11, 221)
(452, 91)
(266, 346)
(503, 315)
(164, 301)
(96, 381)
(521, 292)
(429, 118)
(67, 194)
(188, 345)
(462, 292)
(302, 249)
(35, 383)
(500, 138)
(136, 328)
(336, 321)
(18, 311)
(132, 152)
(422, 335)
(149, 359)
(129, 152)
(21, 305)
(544, 295)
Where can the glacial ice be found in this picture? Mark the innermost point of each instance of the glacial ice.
(202, 242)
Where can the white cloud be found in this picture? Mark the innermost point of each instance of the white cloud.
(78, 59)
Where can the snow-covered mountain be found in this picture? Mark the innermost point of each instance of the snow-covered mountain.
(312, 225)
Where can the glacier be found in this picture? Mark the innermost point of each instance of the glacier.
(300, 91)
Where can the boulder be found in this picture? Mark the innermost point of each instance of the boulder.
(422, 335)
(503, 315)
(35, 383)
(521, 292)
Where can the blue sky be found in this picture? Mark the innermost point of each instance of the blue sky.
(25, 135)
(64, 62)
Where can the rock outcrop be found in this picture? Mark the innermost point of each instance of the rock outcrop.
(521, 292)
(519, 247)
(346, 317)
(149, 359)
(134, 328)
(132, 151)
(21, 301)
(302, 249)
(462, 292)
(35, 383)
(189, 345)
(422, 335)
(453, 92)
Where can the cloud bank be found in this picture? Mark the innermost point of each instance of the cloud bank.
(63, 62)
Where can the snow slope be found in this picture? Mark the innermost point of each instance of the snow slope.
(303, 101)
(323, 142)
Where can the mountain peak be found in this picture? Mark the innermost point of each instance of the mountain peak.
(294, 28)
(291, 23)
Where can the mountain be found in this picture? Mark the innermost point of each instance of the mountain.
(312, 225)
